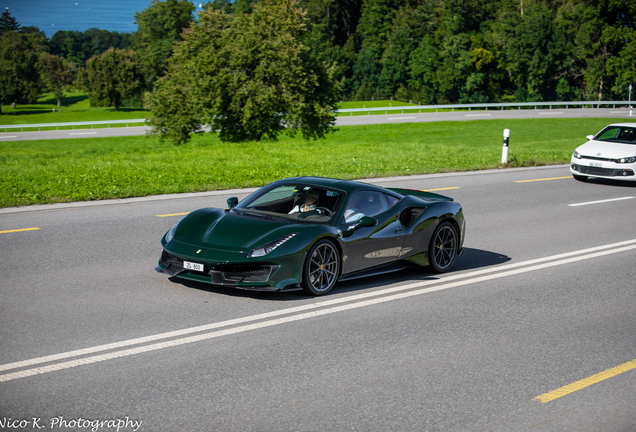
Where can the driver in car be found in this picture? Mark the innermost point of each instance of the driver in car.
(354, 210)
(310, 199)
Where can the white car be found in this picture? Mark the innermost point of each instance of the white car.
(611, 154)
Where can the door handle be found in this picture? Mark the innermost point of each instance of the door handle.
(399, 230)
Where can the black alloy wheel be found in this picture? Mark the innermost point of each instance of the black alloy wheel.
(442, 251)
(320, 272)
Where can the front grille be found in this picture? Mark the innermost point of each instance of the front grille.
(255, 275)
(174, 265)
(605, 172)
(597, 171)
(171, 262)
(596, 158)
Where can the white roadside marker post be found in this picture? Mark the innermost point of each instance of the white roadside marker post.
(504, 151)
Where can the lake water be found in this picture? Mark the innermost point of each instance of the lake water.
(54, 15)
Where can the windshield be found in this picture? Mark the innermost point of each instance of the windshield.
(293, 202)
(617, 134)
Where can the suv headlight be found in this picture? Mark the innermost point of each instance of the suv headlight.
(269, 247)
(170, 233)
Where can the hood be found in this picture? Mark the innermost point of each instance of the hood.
(217, 229)
(606, 149)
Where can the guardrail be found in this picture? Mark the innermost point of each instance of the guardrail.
(73, 124)
(518, 105)
(419, 108)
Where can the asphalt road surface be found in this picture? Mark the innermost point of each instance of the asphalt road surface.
(533, 330)
(618, 114)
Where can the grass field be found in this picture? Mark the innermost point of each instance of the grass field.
(36, 172)
(76, 108)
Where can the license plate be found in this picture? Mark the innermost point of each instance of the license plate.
(596, 164)
(192, 266)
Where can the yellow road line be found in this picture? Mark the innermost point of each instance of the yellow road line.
(536, 180)
(439, 189)
(566, 390)
(173, 214)
(19, 230)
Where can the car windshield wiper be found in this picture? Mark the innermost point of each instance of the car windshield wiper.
(260, 215)
(248, 213)
(278, 218)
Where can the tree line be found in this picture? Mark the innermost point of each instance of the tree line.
(473, 51)
(428, 51)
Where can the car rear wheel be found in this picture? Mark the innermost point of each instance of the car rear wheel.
(579, 177)
(442, 251)
(320, 272)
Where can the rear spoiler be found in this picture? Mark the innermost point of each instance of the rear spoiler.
(428, 196)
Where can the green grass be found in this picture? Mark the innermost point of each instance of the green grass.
(49, 171)
(75, 108)
(26, 115)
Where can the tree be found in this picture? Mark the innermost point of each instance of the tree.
(366, 75)
(222, 5)
(56, 74)
(423, 64)
(372, 30)
(33, 29)
(621, 67)
(19, 77)
(534, 52)
(77, 47)
(242, 6)
(113, 75)
(249, 76)
(396, 53)
(8, 22)
(160, 27)
(332, 34)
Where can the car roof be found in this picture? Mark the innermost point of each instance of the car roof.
(347, 186)
(622, 124)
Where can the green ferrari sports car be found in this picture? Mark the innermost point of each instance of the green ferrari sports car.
(310, 232)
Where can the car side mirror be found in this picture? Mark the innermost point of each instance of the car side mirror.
(232, 202)
(364, 221)
(589, 137)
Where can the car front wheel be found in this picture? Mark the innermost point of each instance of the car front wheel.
(321, 268)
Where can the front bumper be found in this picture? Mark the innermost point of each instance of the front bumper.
(258, 276)
(608, 170)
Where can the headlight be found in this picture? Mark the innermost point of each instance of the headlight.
(170, 233)
(577, 154)
(627, 160)
(269, 247)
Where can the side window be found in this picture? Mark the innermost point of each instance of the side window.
(365, 203)
(390, 200)
(628, 134)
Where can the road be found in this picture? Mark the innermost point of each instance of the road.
(542, 300)
(617, 115)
